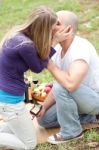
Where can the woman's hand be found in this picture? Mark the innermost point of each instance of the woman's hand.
(61, 35)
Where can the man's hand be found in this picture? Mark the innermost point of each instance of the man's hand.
(42, 112)
(49, 101)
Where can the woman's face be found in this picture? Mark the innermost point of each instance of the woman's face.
(56, 27)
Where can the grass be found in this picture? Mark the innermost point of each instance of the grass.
(93, 136)
(13, 12)
(74, 145)
(90, 136)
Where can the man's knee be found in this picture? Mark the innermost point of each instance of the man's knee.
(58, 89)
(40, 121)
(95, 110)
(43, 122)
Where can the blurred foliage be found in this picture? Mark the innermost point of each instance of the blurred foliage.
(13, 12)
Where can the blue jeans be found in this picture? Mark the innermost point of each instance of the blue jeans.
(67, 109)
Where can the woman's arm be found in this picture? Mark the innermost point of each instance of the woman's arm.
(28, 53)
(30, 56)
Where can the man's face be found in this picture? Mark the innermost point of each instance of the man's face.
(58, 25)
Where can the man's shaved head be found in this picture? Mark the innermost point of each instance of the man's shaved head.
(68, 18)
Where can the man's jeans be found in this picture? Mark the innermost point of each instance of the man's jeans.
(68, 107)
(17, 132)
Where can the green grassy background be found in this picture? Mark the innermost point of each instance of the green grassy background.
(13, 12)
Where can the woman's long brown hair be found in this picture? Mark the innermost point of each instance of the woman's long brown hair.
(38, 27)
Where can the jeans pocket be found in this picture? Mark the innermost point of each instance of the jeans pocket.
(12, 111)
(9, 115)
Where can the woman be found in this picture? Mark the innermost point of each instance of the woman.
(26, 46)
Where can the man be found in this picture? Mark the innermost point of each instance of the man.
(76, 90)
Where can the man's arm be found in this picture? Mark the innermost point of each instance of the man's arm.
(49, 101)
(71, 78)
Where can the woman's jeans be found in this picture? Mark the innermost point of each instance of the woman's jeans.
(17, 132)
(67, 109)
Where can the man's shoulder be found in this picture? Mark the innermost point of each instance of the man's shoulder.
(82, 42)
(82, 39)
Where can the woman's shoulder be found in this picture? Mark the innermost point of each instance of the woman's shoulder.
(18, 40)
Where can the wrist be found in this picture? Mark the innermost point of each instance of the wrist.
(45, 107)
(54, 43)
(51, 66)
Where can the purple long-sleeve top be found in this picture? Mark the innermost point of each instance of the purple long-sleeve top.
(18, 55)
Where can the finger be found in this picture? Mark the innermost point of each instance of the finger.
(39, 114)
(70, 32)
(68, 28)
(65, 30)
(61, 30)
(32, 117)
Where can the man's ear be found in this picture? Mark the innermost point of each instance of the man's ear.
(69, 29)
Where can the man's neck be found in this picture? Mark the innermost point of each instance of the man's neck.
(65, 45)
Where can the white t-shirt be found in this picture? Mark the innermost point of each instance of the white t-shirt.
(80, 49)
